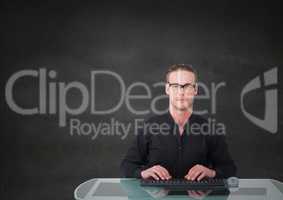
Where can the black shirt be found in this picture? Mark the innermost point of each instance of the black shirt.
(177, 153)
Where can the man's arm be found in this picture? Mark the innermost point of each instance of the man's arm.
(136, 158)
(219, 157)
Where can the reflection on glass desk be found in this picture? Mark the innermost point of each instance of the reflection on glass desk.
(115, 188)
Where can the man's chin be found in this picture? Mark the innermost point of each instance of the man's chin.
(182, 108)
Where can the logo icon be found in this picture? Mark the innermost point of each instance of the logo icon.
(270, 121)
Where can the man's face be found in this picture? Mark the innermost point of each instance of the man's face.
(181, 89)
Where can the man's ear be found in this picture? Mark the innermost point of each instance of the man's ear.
(167, 88)
(196, 89)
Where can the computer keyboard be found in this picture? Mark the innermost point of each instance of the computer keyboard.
(205, 184)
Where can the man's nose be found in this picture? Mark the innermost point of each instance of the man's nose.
(181, 89)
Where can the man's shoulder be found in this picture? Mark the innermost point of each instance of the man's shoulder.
(167, 118)
(158, 118)
(198, 118)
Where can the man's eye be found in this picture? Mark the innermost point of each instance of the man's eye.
(189, 86)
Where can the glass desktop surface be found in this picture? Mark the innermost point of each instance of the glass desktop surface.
(120, 189)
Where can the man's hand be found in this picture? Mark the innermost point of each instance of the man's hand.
(199, 172)
(157, 172)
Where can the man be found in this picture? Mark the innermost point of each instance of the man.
(187, 150)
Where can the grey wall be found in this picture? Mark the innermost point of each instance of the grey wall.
(224, 41)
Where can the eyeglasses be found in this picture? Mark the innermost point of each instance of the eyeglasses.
(186, 87)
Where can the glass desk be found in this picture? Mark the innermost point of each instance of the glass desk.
(115, 188)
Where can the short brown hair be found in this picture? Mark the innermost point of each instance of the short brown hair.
(185, 67)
